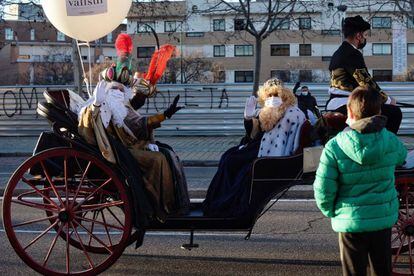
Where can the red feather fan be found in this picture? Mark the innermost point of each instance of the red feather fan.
(158, 63)
(123, 44)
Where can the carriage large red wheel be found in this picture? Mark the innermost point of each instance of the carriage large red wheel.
(402, 240)
(65, 192)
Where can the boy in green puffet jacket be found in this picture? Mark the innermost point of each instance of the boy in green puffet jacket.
(354, 185)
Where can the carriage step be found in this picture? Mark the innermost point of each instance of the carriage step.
(190, 245)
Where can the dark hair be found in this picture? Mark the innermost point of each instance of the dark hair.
(354, 25)
(304, 87)
(364, 102)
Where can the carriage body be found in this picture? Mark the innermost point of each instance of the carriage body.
(88, 205)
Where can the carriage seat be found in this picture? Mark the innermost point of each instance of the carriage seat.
(57, 109)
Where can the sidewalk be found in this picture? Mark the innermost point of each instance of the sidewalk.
(200, 151)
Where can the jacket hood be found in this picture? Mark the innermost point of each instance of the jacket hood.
(364, 141)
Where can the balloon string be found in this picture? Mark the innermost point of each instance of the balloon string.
(85, 79)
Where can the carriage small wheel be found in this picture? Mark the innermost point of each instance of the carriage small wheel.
(66, 212)
(402, 239)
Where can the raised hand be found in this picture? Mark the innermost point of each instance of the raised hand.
(99, 93)
(250, 107)
(173, 108)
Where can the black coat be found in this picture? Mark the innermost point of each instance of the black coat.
(307, 102)
(348, 69)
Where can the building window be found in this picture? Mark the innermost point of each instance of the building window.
(243, 76)
(305, 49)
(239, 24)
(305, 23)
(109, 38)
(243, 50)
(281, 24)
(410, 23)
(305, 75)
(331, 32)
(145, 52)
(60, 36)
(382, 75)
(410, 48)
(326, 58)
(219, 25)
(220, 77)
(381, 22)
(32, 34)
(195, 34)
(381, 49)
(283, 75)
(145, 27)
(170, 26)
(219, 51)
(280, 50)
(9, 34)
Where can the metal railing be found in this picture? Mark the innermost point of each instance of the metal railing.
(215, 109)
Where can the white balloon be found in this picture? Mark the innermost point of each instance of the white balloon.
(86, 20)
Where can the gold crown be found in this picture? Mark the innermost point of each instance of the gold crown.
(273, 82)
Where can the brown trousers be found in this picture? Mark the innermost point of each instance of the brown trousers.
(157, 177)
(359, 249)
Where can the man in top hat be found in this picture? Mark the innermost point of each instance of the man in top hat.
(348, 71)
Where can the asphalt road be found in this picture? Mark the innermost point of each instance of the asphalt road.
(292, 239)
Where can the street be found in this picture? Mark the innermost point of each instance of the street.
(293, 238)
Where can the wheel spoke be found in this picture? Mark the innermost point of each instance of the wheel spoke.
(67, 249)
(112, 213)
(94, 207)
(65, 174)
(399, 251)
(106, 227)
(41, 234)
(52, 245)
(100, 222)
(92, 226)
(49, 179)
(410, 254)
(94, 192)
(83, 247)
(34, 221)
(81, 182)
(42, 207)
(96, 238)
(38, 191)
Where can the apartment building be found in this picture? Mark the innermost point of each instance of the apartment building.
(32, 51)
(298, 49)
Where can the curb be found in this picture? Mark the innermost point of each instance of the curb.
(294, 194)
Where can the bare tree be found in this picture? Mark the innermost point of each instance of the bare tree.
(261, 18)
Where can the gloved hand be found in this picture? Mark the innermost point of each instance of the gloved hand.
(153, 147)
(173, 108)
(296, 87)
(250, 107)
(99, 93)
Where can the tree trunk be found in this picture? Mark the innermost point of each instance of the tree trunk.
(257, 65)
(77, 68)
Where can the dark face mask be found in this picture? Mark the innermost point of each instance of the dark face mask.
(361, 45)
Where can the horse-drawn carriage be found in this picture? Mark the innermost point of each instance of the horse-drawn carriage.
(75, 204)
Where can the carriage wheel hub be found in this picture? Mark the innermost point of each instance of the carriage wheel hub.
(409, 230)
(64, 216)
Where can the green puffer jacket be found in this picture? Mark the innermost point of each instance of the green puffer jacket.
(354, 182)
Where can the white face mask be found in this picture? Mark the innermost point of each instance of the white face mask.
(304, 93)
(273, 102)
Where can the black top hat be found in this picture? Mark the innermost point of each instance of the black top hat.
(355, 24)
